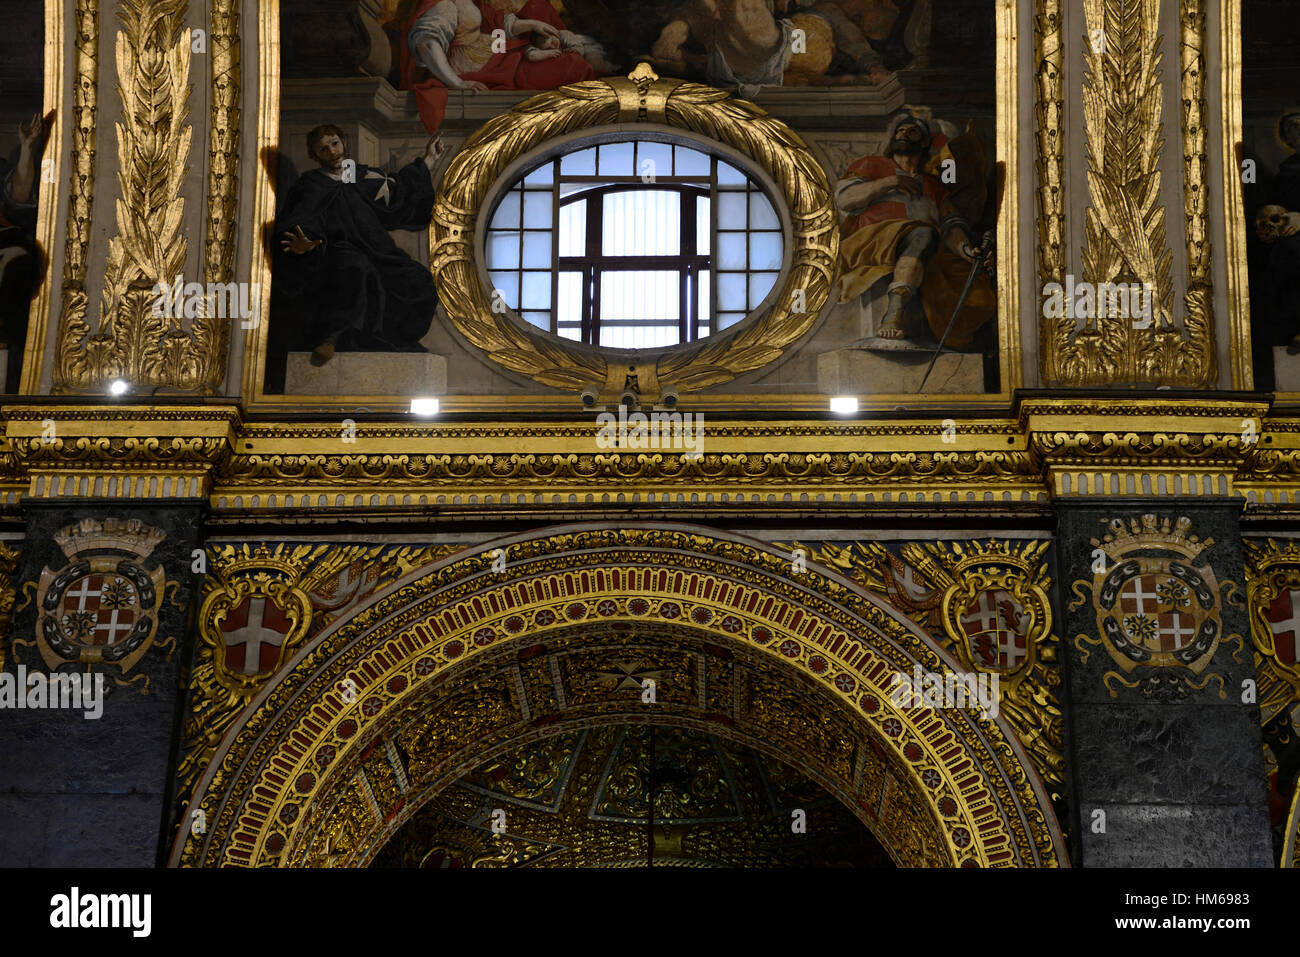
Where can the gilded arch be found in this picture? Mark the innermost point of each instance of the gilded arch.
(1291, 845)
(946, 787)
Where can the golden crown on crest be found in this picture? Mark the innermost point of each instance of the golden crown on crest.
(112, 534)
(1139, 534)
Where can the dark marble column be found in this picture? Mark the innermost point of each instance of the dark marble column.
(1157, 649)
(109, 589)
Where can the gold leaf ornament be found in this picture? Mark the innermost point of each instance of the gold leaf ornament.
(591, 106)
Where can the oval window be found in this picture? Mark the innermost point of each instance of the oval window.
(634, 244)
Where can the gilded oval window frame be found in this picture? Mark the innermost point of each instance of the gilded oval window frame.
(642, 102)
(578, 140)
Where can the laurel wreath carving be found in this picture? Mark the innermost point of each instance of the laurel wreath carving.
(712, 113)
(153, 144)
(1124, 229)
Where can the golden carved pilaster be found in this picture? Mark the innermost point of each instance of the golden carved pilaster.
(223, 168)
(153, 53)
(1048, 65)
(81, 191)
(1124, 228)
(1201, 364)
(1234, 239)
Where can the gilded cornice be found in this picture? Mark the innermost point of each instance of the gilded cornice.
(1136, 445)
(130, 452)
(1143, 446)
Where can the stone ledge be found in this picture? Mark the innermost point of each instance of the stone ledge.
(1286, 370)
(373, 99)
(858, 372)
(368, 373)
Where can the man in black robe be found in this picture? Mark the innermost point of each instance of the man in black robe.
(340, 283)
(1273, 251)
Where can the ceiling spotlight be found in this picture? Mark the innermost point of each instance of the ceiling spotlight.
(844, 404)
(119, 387)
(424, 406)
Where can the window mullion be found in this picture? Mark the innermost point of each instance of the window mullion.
(591, 317)
(713, 247)
(686, 247)
(555, 248)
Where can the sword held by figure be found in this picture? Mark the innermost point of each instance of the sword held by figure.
(979, 260)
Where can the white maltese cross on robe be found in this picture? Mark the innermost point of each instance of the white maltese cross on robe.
(383, 192)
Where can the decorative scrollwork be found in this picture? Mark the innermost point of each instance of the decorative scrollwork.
(618, 574)
(81, 189)
(310, 584)
(8, 565)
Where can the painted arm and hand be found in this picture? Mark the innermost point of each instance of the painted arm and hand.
(516, 27)
(958, 239)
(31, 138)
(671, 40)
(433, 151)
(430, 38)
(436, 159)
(299, 243)
(853, 194)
